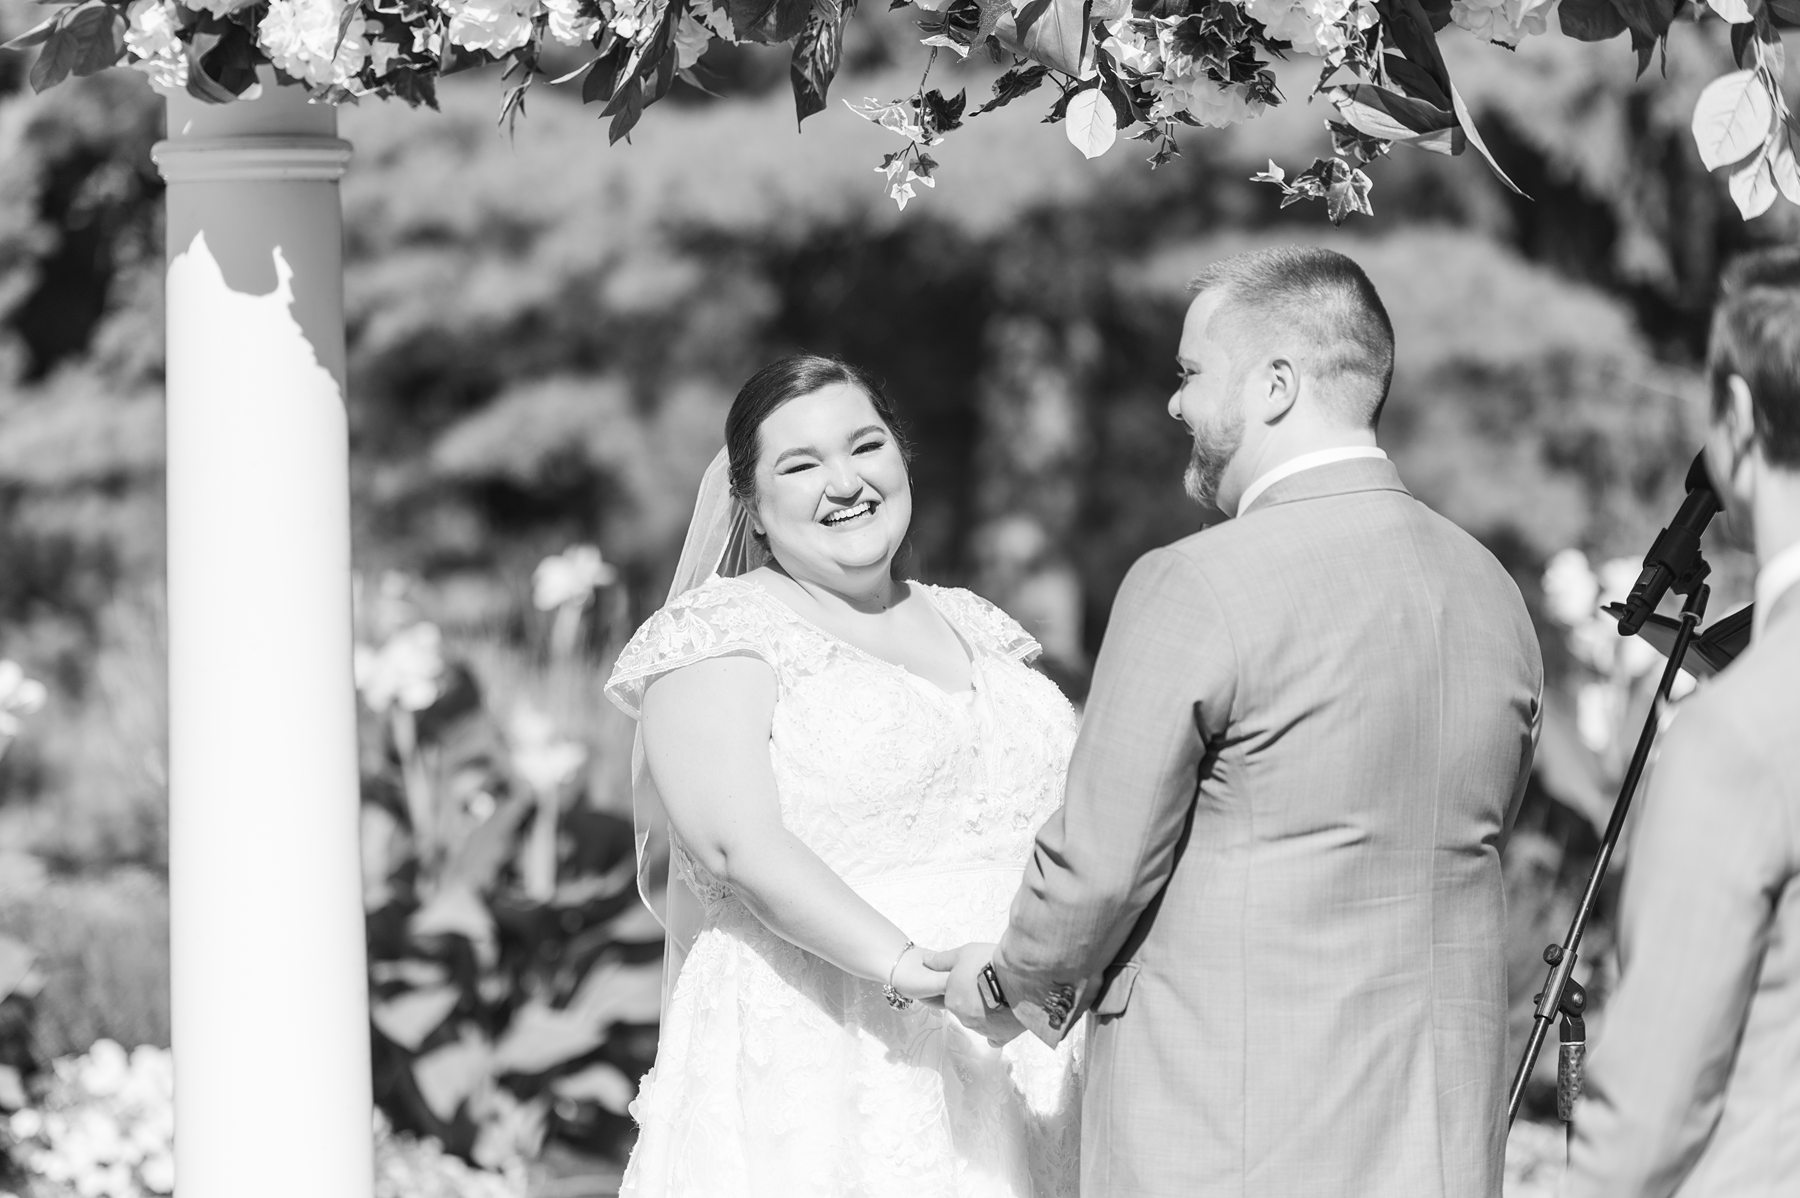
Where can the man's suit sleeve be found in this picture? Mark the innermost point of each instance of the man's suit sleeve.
(1699, 900)
(1163, 686)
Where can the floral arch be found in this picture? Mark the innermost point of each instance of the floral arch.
(1137, 69)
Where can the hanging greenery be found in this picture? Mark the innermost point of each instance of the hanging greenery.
(1112, 69)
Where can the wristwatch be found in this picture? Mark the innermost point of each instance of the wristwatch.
(989, 983)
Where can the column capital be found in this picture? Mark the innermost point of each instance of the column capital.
(276, 133)
(252, 158)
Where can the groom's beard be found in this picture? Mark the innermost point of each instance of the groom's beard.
(1214, 447)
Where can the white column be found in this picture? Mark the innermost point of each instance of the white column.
(270, 1004)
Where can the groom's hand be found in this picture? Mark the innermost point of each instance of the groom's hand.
(963, 998)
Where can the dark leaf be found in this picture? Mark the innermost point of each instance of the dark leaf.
(939, 115)
(1743, 43)
(200, 83)
(1437, 12)
(1467, 121)
(1649, 22)
(1746, 40)
(418, 88)
(1125, 108)
(1409, 31)
(662, 45)
(1590, 20)
(748, 15)
(1388, 116)
(1415, 80)
(36, 35)
(1013, 84)
(816, 54)
(513, 107)
(630, 106)
(1785, 13)
(53, 62)
(603, 80)
(99, 35)
(227, 59)
(84, 41)
(1060, 109)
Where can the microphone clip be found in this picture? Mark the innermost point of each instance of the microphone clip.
(1674, 562)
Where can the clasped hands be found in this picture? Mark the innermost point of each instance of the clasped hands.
(947, 978)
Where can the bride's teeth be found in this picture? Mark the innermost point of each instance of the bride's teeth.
(849, 513)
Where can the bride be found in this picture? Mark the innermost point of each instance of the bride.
(849, 769)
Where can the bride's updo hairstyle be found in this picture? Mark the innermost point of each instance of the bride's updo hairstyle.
(776, 384)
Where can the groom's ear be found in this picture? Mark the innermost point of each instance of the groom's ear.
(1281, 384)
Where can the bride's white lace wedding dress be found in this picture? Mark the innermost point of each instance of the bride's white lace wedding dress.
(778, 1074)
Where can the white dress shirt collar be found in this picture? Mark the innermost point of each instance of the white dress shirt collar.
(1306, 461)
(1777, 576)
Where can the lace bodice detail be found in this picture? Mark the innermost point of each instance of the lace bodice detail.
(879, 771)
(779, 1075)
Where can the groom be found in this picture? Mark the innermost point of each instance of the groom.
(1275, 879)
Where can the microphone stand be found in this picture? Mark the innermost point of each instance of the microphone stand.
(1562, 995)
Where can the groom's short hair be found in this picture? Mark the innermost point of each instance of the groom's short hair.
(1316, 305)
(1756, 336)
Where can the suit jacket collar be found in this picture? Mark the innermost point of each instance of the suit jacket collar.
(1338, 478)
(1784, 609)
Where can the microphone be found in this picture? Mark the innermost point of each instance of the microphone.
(1674, 559)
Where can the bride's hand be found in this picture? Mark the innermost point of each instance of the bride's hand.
(914, 979)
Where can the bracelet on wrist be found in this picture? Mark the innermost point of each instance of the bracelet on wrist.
(895, 999)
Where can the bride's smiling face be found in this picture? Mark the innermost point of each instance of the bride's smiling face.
(832, 492)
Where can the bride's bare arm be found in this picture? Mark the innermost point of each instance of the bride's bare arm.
(706, 740)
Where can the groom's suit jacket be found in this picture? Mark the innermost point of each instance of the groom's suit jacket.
(1694, 1085)
(1276, 872)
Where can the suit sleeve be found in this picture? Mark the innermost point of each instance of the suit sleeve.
(1706, 867)
(1163, 686)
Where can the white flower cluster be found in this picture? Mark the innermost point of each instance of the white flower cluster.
(107, 1126)
(409, 1167)
(155, 50)
(1507, 22)
(1145, 50)
(302, 38)
(496, 26)
(569, 24)
(406, 671)
(20, 696)
(570, 577)
(106, 1129)
(1322, 27)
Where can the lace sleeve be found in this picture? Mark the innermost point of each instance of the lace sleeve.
(709, 621)
(986, 625)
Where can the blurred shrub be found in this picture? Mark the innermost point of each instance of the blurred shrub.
(102, 945)
(515, 976)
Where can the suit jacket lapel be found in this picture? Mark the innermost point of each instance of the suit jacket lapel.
(1785, 607)
(1338, 478)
